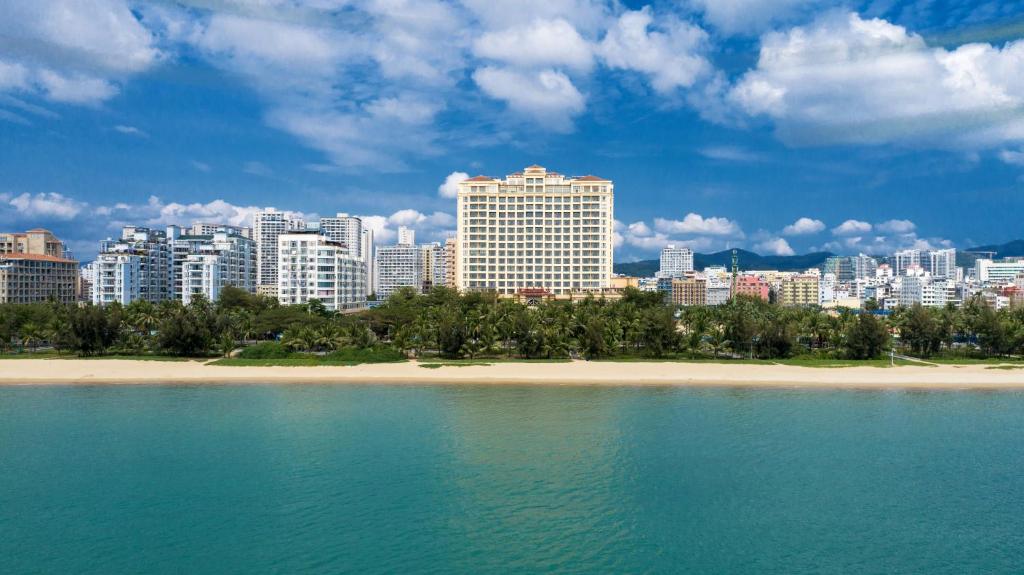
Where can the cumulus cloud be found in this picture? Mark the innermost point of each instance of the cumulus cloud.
(851, 227)
(699, 225)
(803, 226)
(845, 79)
(669, 51)
(546, 96)
(540, 43)
(775, 247)
(450, 187)
(749, 16)
(895, 227)
(72, 51)
(46, 205)
(1012, 157)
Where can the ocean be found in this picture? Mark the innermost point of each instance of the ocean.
(508, 479)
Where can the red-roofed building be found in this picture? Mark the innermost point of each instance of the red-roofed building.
(32, 278)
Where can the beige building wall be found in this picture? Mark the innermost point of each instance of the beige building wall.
(535, 230)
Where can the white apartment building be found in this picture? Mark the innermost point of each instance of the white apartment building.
(116, 278)
(406, 236)
(942, 263)
(205, 264)
(350, 231)
(535, 229)
(675, 262)
(313, 266)
(998, 272)
(906, 259)
(396, 267)
(864, 267)
(208, 229)
(267, 225)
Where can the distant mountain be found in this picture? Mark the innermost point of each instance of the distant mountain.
(1007, 250)
(747, 261)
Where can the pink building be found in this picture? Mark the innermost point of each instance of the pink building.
(752, 286)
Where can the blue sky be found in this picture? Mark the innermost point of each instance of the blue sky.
(781, 126)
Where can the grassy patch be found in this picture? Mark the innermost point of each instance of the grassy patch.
(1005, 367)
(141, 357)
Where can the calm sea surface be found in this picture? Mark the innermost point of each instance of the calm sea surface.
(380, 479)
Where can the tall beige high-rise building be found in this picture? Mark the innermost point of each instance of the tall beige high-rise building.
(535, 229)
(34, 268)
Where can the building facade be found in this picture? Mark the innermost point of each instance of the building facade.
(313, 266)
(396, 267)
(675, 262)
(535, 229)
(689, 291)
(267, 225)
(203, 265)
(800, 290)
(34, 278)
(116, 278)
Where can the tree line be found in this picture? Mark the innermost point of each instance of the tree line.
(447, 324)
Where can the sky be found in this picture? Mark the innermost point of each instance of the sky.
(780, 126)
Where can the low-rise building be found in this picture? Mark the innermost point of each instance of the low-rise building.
(312, 266)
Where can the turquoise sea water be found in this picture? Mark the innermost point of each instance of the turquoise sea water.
(445, 479)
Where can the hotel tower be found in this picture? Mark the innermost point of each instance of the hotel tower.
(533, 230)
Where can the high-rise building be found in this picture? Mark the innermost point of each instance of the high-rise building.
(37, 241)
(675, 261)
(800, 289)
(313, 266)
(35, 268)
(535, 229)
(350, 231)
(208, 229)
(450, 253)
(138, 265)
(406, 236)
(904, 260)
(205, 264)
(691, 291)
(942, 263)
(266, 226)
(841, 267)
(432, 266)
(116, 277)
(863, 266)
(34, 278)
(396, 267)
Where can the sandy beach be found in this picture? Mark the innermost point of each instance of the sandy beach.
(116, 371)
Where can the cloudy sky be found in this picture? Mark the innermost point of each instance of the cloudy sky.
(778, 125)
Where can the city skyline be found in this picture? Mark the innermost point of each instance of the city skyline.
(713, 121)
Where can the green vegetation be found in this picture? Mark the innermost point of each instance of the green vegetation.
(446, 328)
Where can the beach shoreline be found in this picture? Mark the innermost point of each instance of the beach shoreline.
(120, 371)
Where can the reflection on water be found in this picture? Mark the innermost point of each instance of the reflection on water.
(281, 479)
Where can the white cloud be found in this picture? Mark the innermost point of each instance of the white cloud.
(429, 227)
(1012, 157)
(541, 43)
(546, 96)
(749, 16)
(730, 154)
(844, 79)
(450, 187)
(46, 205)
(699, 225)
(130, 131)
(255, 168)
(72, 51)
(639, 229)
(669, 52)
(895, 227)
(201, 166)
(851, 227)
(775, 247)
(803, 226)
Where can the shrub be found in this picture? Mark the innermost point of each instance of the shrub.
(265, 350)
